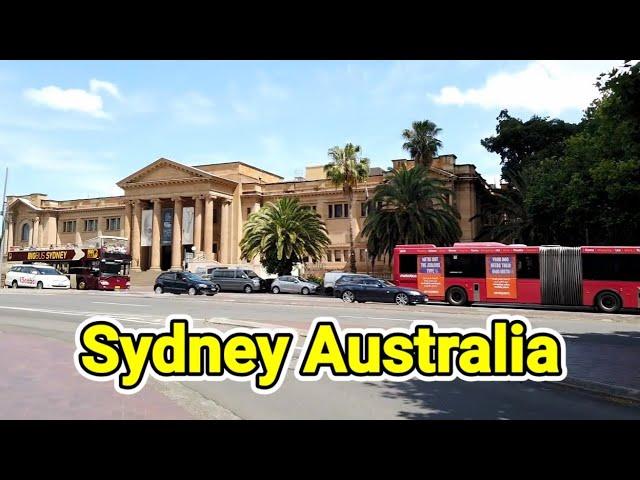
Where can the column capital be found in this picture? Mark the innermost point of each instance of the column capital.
(155, 200)
(211, 196)
(177, 199)
(200, 196)
(226, 201)
(36, 218)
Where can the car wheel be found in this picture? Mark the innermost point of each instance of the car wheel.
(158, 289)
(608, 302)
(248, 289)
(275, 290)
(456, 296)
(402, 299)
(14, 284)
(82, 285)
(218, 289)
(305, 291)
(348, 296)
(192, 291)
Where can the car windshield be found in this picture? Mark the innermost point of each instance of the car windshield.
(251, 274)
(386, 283)
(191, 276)
(48, 271)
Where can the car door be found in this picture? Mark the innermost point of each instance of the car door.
(29, 276)
(286, 284)
(370, 290)
(168, 282)
(181, 283)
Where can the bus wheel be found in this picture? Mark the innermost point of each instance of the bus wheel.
(14, 284)
(608, 302)
(457, 296)
(82, 285)
(39, 286)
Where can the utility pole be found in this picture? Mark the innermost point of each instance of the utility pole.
(3, 237)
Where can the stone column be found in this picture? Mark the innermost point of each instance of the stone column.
(134, 242)
(197, 223)
(256, 207)
(207, 248)
(35, 232)
(224, 249)
(176, 238)
(9, 241)
(127, 221)
(155, 236)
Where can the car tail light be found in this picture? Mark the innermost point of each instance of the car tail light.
(104, 283)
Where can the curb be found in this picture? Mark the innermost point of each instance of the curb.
(609, 392)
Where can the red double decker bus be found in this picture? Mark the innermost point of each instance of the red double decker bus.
(607, 278)
(103, 263)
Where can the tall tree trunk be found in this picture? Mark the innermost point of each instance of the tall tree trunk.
(352, 253)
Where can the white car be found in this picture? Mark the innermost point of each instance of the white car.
(36, 276)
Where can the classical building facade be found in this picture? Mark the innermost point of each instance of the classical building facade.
(170, 210)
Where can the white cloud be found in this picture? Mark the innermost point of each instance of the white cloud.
(545, 86)
(195, 109)
(96, 85)
(74, 99)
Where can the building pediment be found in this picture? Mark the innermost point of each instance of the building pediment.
(164, 170)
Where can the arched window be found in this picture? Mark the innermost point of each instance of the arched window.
(25, 234)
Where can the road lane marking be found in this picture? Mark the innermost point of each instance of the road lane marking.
(124, 304)
(381, 318)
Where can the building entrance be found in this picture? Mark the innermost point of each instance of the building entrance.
(165, 257)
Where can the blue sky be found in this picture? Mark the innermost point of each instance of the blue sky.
(72, 129)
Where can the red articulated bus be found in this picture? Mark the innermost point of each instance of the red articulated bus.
(607, 278)
(105, 266)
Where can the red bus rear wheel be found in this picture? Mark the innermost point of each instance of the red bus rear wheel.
(457, 296)
(608, 302)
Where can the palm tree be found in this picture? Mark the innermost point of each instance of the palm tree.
(346, 170)
(283, 234)
(421, 142)
(410, 207)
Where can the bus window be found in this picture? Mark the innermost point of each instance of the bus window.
(528, 265)
(408, 263)
(625, 268)
(465, 265)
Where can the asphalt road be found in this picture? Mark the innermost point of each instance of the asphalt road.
(55, 315)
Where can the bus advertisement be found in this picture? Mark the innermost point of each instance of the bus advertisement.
(103, 266)
(607, 278)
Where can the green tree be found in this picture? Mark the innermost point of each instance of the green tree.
(410, 207)
(521, 144)
(283, 234)
(422, 142)
(346, 170)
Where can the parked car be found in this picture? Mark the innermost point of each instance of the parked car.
(183, 282)
(378, 290)
(330, 279)
(292, 284)
(237, 280)
(36, 276)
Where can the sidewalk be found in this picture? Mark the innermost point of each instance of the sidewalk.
(607, 364)
(38, 380)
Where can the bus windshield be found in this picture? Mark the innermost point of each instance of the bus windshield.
(114, 268)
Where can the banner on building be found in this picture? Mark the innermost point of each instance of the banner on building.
(146, 230)
(501, 276)
(431, 275)
(166, 233)
(187, 225)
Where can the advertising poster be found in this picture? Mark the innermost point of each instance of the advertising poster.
(147, 228)
(501, 276)
(187, 225)
(166, 233)
(431, 275)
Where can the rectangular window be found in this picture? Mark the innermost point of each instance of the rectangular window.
(363, 257)
(528, 265)
(337, 210)
(91, 225)
(69, 226)
(329, 256)
(215, 215)
(346, 255)
(345, 210)
(364, 209)
(620, 267)
(408, 263)
(330, 211)
(465, 265)
(113, 223)
(338, 256)
(248, 211)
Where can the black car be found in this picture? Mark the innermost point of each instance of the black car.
(183, 282)
(378, 290)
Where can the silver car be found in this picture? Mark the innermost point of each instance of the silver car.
(291, 284)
